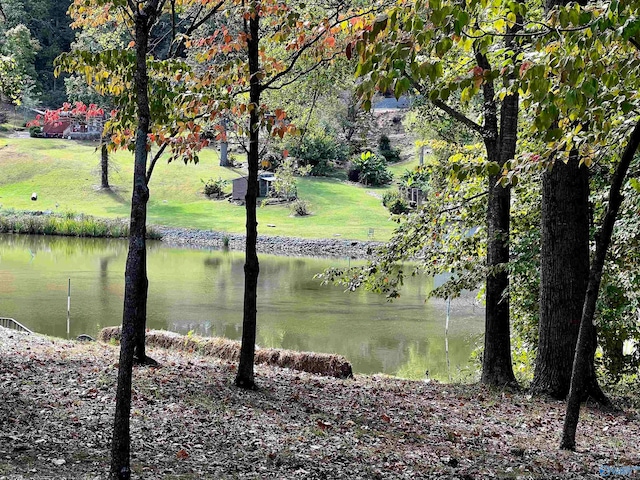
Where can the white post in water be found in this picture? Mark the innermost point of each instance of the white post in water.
(68, 305)
(446, 337)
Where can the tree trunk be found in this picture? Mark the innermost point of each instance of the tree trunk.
(104, 164)
(224, 146)
(136, 283)
(244, 378)
(224, 153)
(564, 271)
(584, 348)
(497, 369)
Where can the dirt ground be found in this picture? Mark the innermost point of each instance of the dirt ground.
(190, 422)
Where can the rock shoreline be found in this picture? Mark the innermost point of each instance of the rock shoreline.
(289, 246)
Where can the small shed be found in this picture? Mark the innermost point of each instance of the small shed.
(239, 189)
(416, 196)
(57, 128)
(74, 127)
(265, 185)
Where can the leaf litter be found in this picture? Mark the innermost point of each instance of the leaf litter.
(189, 421)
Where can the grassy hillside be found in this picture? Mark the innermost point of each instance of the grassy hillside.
(65, 174)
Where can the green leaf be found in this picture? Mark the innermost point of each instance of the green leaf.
(443, 46)
(401, 87)
(379, 24)
(590, 87)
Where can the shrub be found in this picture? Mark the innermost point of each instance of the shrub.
(419, 177)
(35, 131)
(317, 151)
(214, 188)
(372, 170)
(391, 155)
(395, 203)
(271, 161)
(285, 185)
(232, 160)
(3, 128)
(300, 208)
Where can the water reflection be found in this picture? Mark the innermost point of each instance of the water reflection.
(202, 291)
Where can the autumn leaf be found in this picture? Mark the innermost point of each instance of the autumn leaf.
(182, 454)
(322, 425)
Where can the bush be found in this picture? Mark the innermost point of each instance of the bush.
(391, 155)
(214, 188)
(285, 185)
(419, 177)
(271, 161)
(300, 208)
(35, 131)
(3, 128)
(372, 170)
(317, 151)
(353, 174)
(395, 203)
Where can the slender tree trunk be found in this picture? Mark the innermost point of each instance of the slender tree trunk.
(584, 349)
(136, 283)
(104, 164)
(497, 369)
(224, 146)
(244, 378)
(564, 271)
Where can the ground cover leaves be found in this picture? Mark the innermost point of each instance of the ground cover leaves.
(189, 421)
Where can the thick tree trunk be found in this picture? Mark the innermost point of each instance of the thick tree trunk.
(585, 346)
(136, 283)
(244, 378)
(564, 272)
(104, 166)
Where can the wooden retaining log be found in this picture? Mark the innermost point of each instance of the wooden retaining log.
(225, 349)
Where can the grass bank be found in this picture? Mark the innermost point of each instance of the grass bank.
(65, 175)
(68, 224)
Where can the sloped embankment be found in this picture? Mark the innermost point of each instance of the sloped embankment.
(225, 349)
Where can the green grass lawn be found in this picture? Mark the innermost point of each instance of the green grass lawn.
(66, 176)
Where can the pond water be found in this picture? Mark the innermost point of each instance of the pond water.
(202, 291)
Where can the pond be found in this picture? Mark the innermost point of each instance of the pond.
(202, 291)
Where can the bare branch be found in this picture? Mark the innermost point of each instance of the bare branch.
(463, 202)
(303, 73)
(293, 59)
(459, 116)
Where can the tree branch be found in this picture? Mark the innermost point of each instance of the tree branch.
(293, 59)
(459, 116)
(154, 161)
(302, 73)
(463, 202)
